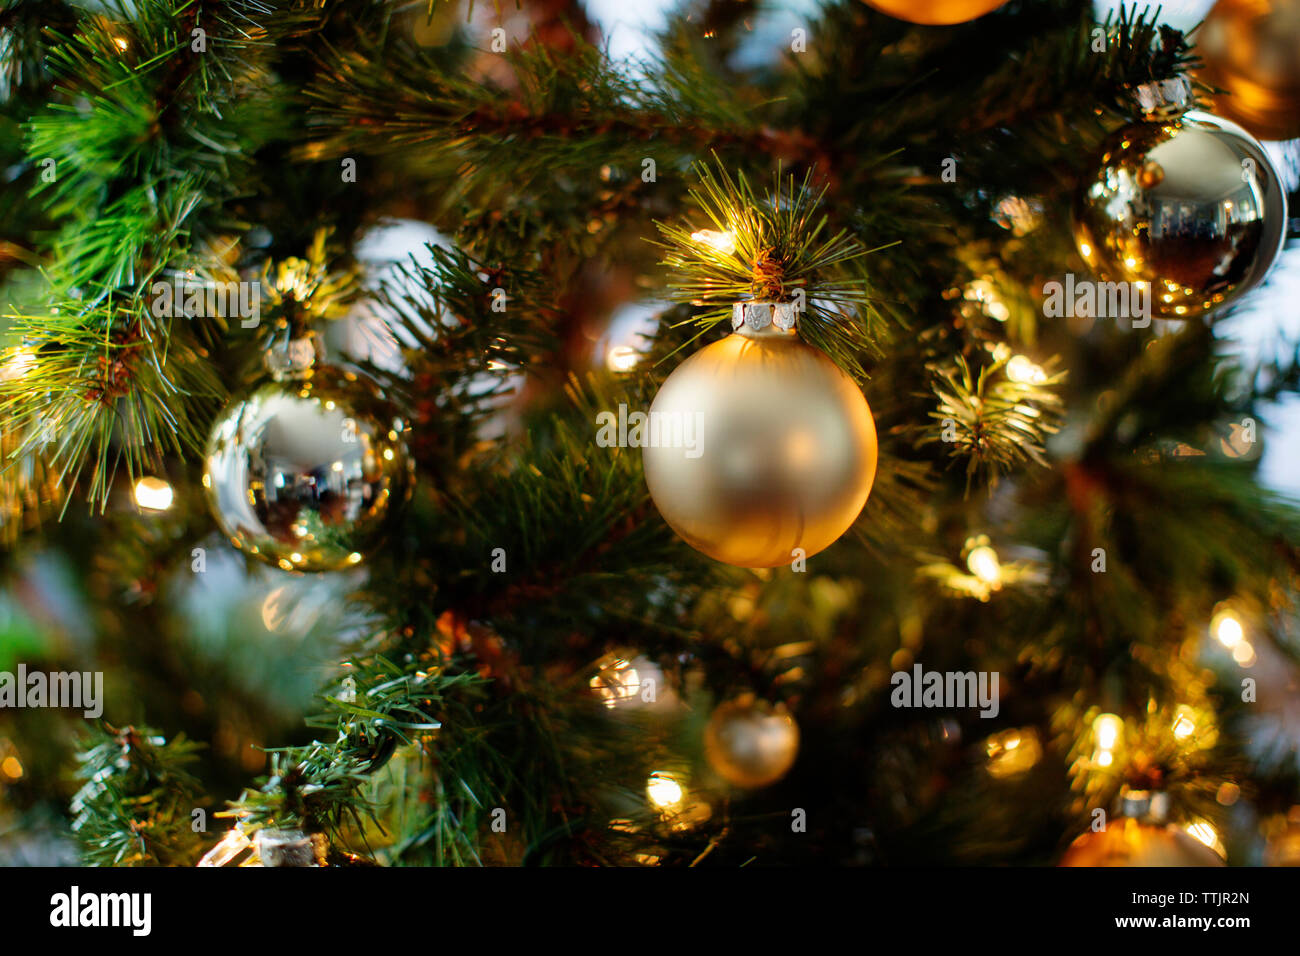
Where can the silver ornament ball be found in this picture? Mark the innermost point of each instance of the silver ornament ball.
(1188, 203)
(305, 472)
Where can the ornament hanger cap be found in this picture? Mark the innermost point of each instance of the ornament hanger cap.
(293, 356)
(766, 318)
(1151, 806)
(1163, 99)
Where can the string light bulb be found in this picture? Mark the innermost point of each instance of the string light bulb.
(153, 494)
(665, 791)
(984, 564)
(724, 242)
(1025, 371)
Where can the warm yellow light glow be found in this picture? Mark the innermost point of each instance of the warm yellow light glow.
(1012, 752)
(1227, 628)
(1106, 730)
(1085, 249)
(622, 358)
(1025, 370)
(1184, 726)
(1105, 758)
(153, 494)
(11, 768)
(19, 363)
(388, 454)
(983, 563)
(1244, 654)
(664, 791)
(724, 242)
(121, 42)
(354, 557)
(617, 682)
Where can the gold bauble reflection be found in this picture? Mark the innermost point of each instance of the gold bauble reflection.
(303, 473)
(935, 12)
(1251, 48)
(750, 743)
(1193, 207)
(1129, 842)
(785, 452)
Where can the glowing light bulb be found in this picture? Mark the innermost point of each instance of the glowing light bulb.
(1184, 726)
(1227, 629)
(724, 242)
(153, 494)
(983, 563)
(622, 358)
(1023, 369)
(664, 791)
(1106, 729)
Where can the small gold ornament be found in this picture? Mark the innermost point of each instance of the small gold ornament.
(1184, 205)
(1140, 837)
(935, 12)
(750, 743)
(304, 472)
(1251, 48)
(759, 445)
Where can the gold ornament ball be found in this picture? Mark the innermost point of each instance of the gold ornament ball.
(1192, 207)
(783, 452)
(935, 12)
(750, 743)
(1251, 49)
(1130, 842)
(304, 472)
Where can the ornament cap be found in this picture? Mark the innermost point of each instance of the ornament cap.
(764, 318)
(1147, 806)
(1162, 100)
(294, 357)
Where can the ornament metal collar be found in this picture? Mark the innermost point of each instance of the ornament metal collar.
(1162, 100)
(765, 318)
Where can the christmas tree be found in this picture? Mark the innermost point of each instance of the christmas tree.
(448, 433)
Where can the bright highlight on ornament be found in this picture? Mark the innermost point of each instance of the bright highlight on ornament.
(153, 494)
(664, 791)
(724, 242)
(1203, 832)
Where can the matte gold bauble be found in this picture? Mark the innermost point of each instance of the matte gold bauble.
(750, 743)
(1187, 207)
(304, 472)
(935, 12)
(1140, 835)
(1251, 48)
(759, 445)
(1128, 842)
